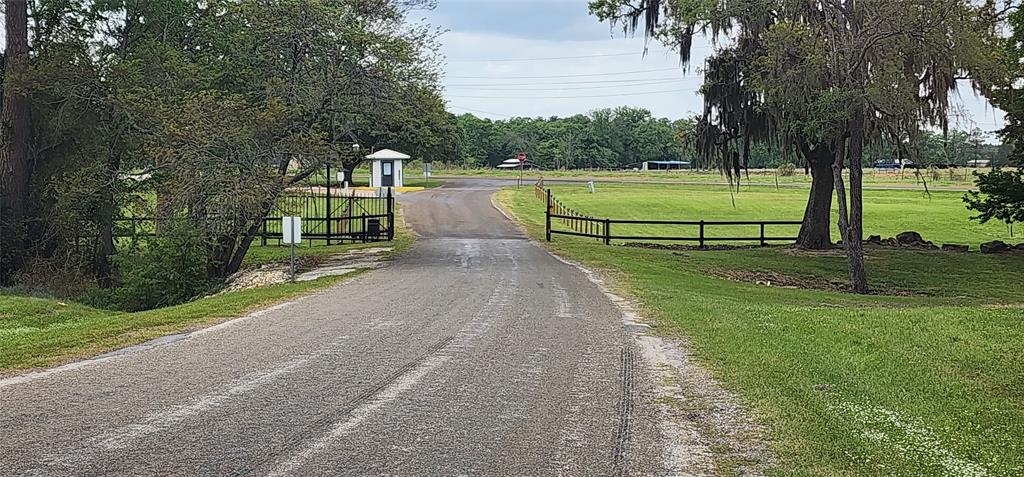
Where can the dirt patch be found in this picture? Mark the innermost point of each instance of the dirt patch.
(774, 279)
(712, 432)
(706, 429)
(310, 268)
(806, 252)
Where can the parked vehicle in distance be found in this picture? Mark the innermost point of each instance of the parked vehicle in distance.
(894, 164)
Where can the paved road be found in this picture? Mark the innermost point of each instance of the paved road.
(476, 353)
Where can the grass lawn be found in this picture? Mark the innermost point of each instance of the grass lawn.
(40, 332)
(955, 178)
(928, 384)
(941, 218)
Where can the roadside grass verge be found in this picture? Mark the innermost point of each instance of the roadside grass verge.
(39, 332)
(929, 384)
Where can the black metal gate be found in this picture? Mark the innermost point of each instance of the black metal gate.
(345, 218)
(335, 219)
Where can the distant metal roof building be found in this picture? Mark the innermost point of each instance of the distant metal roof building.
(648, 165)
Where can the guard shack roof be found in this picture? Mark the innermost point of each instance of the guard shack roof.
(388, 155)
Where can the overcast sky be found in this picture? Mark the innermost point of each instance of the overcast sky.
(593, 66)
(483, 34)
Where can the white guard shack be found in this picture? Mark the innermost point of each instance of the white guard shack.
(386, 168)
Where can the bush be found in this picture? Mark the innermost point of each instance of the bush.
(165, 271)
(786, 170)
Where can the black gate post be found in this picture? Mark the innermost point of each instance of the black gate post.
(547, 217)
(328, 203)
(391, 215)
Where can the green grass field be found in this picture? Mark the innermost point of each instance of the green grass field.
(38, 332)
(940, 217)
(925, 384)
(947, 178)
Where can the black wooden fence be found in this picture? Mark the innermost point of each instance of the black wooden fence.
(337, 219)
(562, 220)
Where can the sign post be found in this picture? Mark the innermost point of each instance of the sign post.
(522, 162)
(291, 231)
(426, 173)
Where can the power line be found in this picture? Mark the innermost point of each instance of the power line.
(570, 97)
(571, 76)
(544, 83)
(480, 111)
(650, 83)
(605, 55)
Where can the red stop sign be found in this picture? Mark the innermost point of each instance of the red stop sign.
(522, 157)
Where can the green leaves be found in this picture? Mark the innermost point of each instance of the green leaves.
(221, 105)
(1000, 196)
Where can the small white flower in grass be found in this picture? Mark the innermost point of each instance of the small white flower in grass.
(909, 438)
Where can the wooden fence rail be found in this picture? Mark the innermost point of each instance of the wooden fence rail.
(582, 225)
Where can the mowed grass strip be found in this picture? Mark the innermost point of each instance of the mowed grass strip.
(41, 332)
(929, 384)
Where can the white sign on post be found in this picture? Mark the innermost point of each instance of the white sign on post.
(291, 228)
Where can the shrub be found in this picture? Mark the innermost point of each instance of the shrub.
(164, 271)
(786, 170)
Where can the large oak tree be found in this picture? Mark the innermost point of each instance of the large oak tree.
(822, 79)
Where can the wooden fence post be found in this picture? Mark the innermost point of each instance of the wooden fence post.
(607, 231)
(547, 217)
(762, 234)
(391, 215)
(701, 234)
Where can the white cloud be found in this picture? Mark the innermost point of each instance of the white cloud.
(468, 75)
(466, 52)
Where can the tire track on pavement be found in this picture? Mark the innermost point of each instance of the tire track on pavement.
(389, 390)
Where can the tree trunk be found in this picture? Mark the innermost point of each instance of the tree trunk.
(855, 235)
(14, 164)
(105, 239)
(235, 263)
(816, 230)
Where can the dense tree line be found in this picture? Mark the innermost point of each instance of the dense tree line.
(605, 138)
(196, 112)
(624, 137)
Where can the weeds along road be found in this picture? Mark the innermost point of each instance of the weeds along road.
(475, 353)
